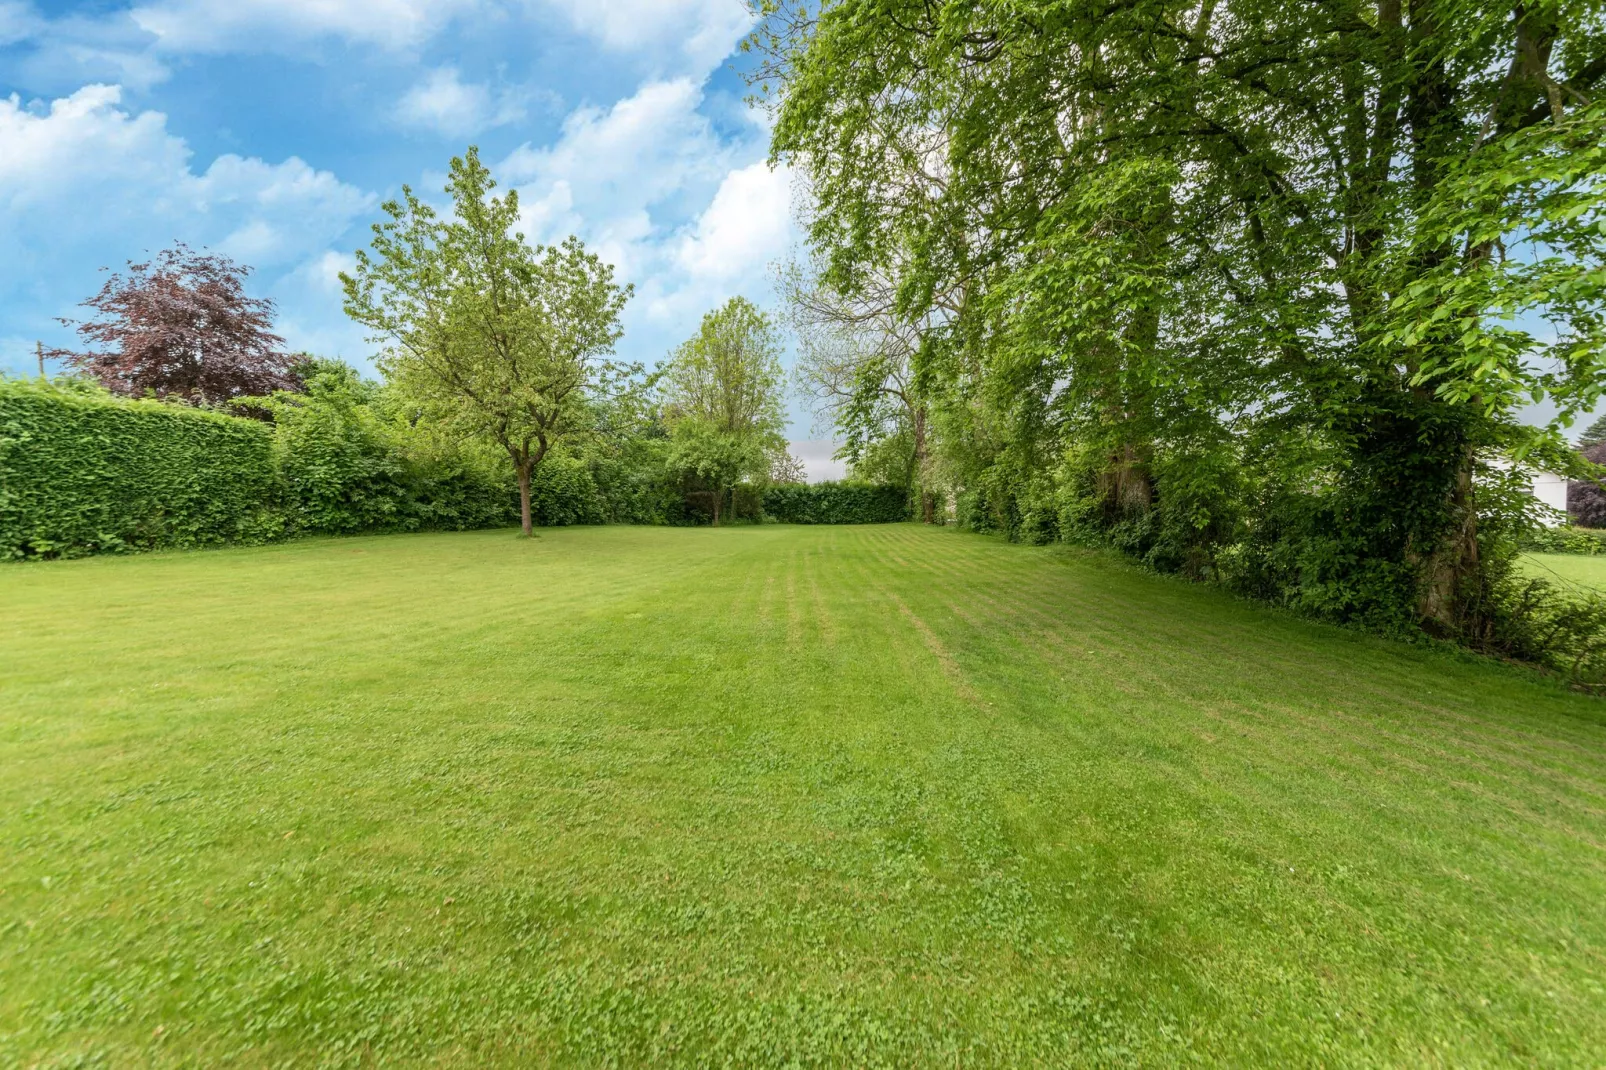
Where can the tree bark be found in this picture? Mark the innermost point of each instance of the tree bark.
(1524, 98)
(525, 520)
(918, 466)
(719, 499)
(1456, 562)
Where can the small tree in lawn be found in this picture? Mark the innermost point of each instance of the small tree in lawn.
(723, 399)
(491, 335)
(181, 325)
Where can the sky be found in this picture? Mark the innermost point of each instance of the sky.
(272, 130)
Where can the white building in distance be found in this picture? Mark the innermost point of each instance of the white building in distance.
(1551, 490)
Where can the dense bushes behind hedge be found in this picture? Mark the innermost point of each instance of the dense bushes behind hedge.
(346, 465)
(83, 473)
(836, 503)
(1565, 540)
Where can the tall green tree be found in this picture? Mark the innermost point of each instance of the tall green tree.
(723, 399)
(493, 336)
(1341, 243)
(856, 365)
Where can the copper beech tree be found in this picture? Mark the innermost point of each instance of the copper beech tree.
(181, 325)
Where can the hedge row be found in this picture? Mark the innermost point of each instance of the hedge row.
(1566, 540)
(83, 473)
(835, 503)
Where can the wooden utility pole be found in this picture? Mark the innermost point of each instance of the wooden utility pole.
(39, 351)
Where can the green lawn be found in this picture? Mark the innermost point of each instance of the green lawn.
(761, 795)
(1569, 570)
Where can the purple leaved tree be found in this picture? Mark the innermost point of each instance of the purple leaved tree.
(181, 325)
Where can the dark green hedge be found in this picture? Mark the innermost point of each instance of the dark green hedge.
(835, 503)
(82, 473)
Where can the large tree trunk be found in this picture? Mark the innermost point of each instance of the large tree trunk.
(525, 521)
(1125, 484)
(1529, 95)
(918, 467)
(1455, 563)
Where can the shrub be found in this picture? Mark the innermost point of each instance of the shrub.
(564, 492)
(348, 464)
(835, 503)
(1565, 540)
(341, 474)
(1534, 620)
(82, 472)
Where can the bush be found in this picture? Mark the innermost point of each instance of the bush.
(835, 503)
(564, 492)
(340, 473)
(82, 472)
(1565, 540)
(1536, 621)
(349, 465)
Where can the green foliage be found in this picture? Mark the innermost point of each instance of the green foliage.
(1536, 620)
(497, 339)
(1565, 540)
(728, 375)
(1272, 277)
(889, 458)
(1594, 434)
(86, 472)
(564, 492)
(722, 405)
(351, 462)
(835, 503)
(341, 472)
(82, 472)
(712, 461)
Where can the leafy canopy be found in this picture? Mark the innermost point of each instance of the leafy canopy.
(491, 335)
(182, 326)
(722, 400)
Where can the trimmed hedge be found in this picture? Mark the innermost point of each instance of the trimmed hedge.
(835, 503)
(81, 472)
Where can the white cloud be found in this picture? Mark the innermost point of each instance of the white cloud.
(818, 460)
(702, 31)
(747, 225)
(643, 146)
(86, 184)
(77, 49)
(84, 167)
(611, 169)
(446, 104)
(221, 25)
(689, 217)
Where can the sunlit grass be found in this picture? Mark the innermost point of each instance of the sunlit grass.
(827, 795)
(1579, 572)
